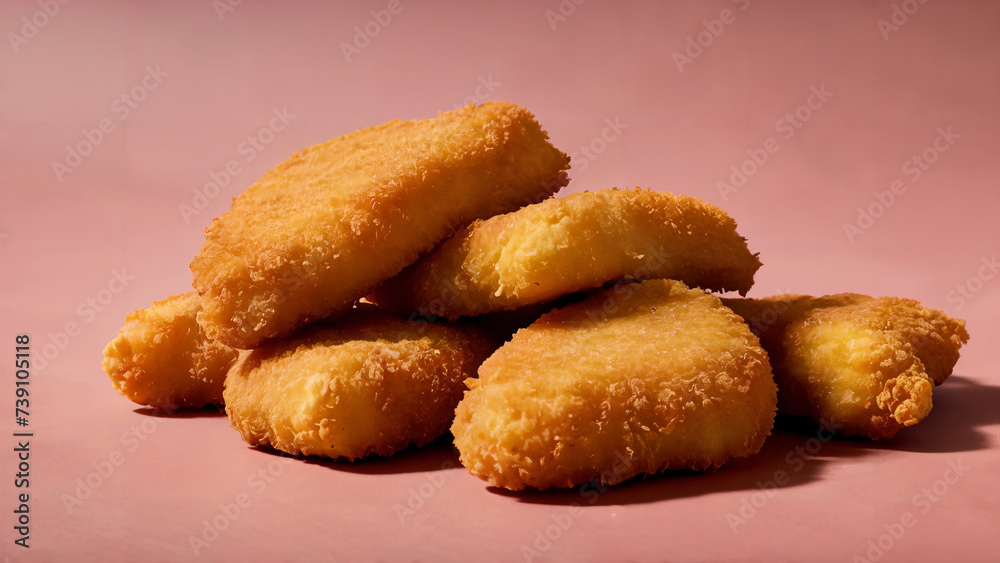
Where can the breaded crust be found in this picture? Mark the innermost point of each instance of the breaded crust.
(571, 244)
(162, 358)
(868, 365)
(365, 383)
(324, 227)
(632, 380)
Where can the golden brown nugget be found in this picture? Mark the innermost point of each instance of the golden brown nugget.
(162, 358)
(575, 243)
(633, 380)
(324, 227)
(502, 325)
(865, 365)
(362, 384)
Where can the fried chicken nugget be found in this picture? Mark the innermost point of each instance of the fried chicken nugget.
(162, 358)
(636, 379)
(868, 366)
(365, 383)
(324, 227)
(571, 244)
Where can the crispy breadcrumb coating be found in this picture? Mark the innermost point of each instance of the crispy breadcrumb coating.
(362, 384)
(866, 364)
(632, 380)
(162, 358)
(324, 227)
(571, 244)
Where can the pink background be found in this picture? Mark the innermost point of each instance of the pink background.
(62, 241)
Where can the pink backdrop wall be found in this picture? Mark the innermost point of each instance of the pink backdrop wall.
(840, 97)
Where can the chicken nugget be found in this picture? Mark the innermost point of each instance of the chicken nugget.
(633, 380)
(863, 365)
(324, 227)
(162, 358)
(364, 383)
(570, 244)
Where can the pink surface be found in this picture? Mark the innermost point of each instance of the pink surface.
(610, 77)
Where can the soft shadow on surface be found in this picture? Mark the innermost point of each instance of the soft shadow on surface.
(961, 407)
(787, 459)
(211, 411)
(439, 454)
(795, 455)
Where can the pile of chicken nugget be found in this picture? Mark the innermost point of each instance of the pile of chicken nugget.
(374, 292)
